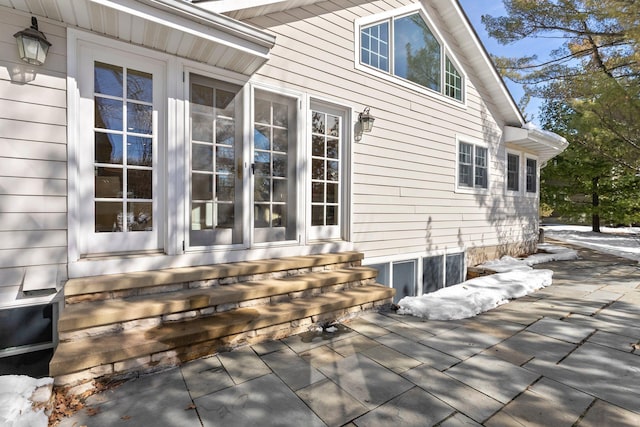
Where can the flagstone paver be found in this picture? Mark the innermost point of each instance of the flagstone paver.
(331, 403)
(415, 407)
(243, 364)
(493, 377)
(427, 355)
(366, 380)
(205, 376)
(546, 403)
(266, 399)
(561, 330)
(295, 371)
(390, 358)
(526, 345)
(603, 414)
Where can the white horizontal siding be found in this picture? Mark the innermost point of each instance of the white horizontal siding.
(33, 167)
(403, 185)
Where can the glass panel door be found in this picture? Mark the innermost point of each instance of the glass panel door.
(327, 145)
(216, 160)
(120, 185)
(274, 168)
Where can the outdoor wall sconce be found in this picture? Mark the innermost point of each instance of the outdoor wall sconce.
(364, 124)
(32, 44)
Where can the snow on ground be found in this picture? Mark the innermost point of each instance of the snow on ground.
(18, 394)
(623, 241)
(515, 278)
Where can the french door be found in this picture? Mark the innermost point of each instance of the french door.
(120, 186)
(228, 207)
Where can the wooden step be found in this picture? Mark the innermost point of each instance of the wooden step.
(101, 313)
(127, 281)
(102, 353)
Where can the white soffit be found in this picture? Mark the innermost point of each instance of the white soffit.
(246, 9)
(546, 145)
(172, 26)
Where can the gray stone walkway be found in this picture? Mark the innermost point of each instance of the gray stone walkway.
(566, 355)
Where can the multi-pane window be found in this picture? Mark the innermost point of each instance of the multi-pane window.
(374, 46)
(325, 168)
(452, 81)
(513, 172)
(123, 163)
(532, 175)
(473, 166)
(405, 47)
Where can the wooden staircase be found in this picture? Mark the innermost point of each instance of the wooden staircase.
(123, 324)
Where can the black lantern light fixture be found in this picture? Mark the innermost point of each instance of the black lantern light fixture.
(32, 44)
(366, 120)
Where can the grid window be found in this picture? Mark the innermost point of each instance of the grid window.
(513, 172)
(473, 166)
(374, 46)
(532, 176)
(453, 81)
(405, 47)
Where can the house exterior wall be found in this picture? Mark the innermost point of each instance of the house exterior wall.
(33, 166)
(402, 201)
(404, 197)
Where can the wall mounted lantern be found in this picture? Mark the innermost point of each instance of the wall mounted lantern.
(365, 123)
(366, 120)
(32, 44)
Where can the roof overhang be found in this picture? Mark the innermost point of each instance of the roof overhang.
(172, 26)
(546, 145)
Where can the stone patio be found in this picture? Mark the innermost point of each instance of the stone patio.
(566, 355)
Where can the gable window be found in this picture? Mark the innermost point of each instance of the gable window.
(513, 172)
(532, 175)
(404, 46)
(473, 166)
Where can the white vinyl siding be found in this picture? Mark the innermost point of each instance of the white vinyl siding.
(403, 197)
(33, 171)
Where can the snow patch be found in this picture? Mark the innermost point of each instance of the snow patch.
(515, 278)
(18, 395)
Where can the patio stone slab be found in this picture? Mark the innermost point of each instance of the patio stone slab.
(462, 342)
(459, 420)
(615, 341)
(427, 355)
(331, 403)
(143, 387)
(415, 407)
(366, 328)
(561, 330)
(603, 413)
(391, 359)
(366, 380)
(608, 374)
(546, 403)
(205, 376)
(601, 325)
(139, 401)
(295, 371)
(435, 327)
(265, 400)
(267, 347)
(456, 394)
(408, 331)
(621, 313)
(352, 345)
(526, 345)
(320, 356)
(493, 377)
(243, 364)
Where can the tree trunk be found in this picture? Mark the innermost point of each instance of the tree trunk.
(595, 204)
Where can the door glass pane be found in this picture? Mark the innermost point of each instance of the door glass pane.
(325, 169)
(432, 273)
(404, 279)
(454, 269)
(215, 150)
(273, 147)
(123, 172)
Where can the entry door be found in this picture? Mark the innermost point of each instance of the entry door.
(275, 179)
(216, 183)
(121, 100)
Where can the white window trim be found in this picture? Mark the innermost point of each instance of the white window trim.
(475, 142)
(521, 164)
(389, 76)
(536, 193)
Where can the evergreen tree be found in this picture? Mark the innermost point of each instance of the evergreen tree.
(591, 86)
